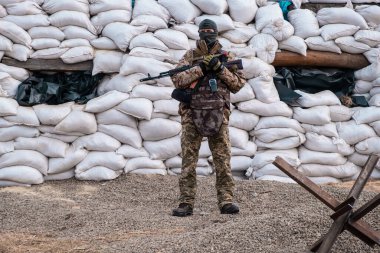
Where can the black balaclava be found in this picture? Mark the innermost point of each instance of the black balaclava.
(209, 37)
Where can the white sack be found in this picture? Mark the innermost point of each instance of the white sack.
(97, 6)
(150, 7)
(294, 44)
(340, 113)
(318, 115)
(350, 45)
(255, 67)
(259, 108)
(120, 83)
(265, 157)
(131, 152)
(97, 142)
(369, 146)
(150, 53)
(245, 52)
(3, 12)
(223, 22)
(266, 14)
(366, 115)
(140, 108)
(5, 43)
(25, 116)
(60, 176)
(158, 129)
(147, 40)
(24, 8)
(115, 117)
(29, 158)
(21, 174)
(328, 130)
(279, 28)
(46, 32)
(53, 6)
(304, 22)
(173, 39)
(308, 156)
(98, 173)
(75, 18)
(110, 160)
(325, 97)
(122, 33)
(153, 23)
(8, 85)
(38, 44)
(103, 43)
(213, 7)
(375, 100)
(6, 147)
(28, 21)
(244, 94)
(371, 38)
(240, 163)
(143, 163)
(43, 145)
(50, 53)
(105, 102)
(273, 134)
(107, 61)
(264, 89)
(78, 54)
(152, 93)
(342, 15)
(373, 55)
(52, 114)
(362, 87)
(322, 143)
(267, 170)
(107, 17)
(78, 121)
(242, 10)
(76, 32)
(265, 46)
(250, 150)
(319, 44)
(75, 43)
(369, 73)
(164, 149)
(243, 120)
(334, 31)
(124, 134)
(358, 159)
(15, 72)
(353, 133)
(286, 143)
(19, 52)
(339, 171)
(15, 33)
(279, 122)
(167, 106)
(11, 133)
(241, 34)
(183, 11)
(370, 13)
(238, 137)
(72, 158)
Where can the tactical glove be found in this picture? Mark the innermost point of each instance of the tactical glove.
(213, 63)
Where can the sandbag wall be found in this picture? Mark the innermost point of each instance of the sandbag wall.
(134, 127)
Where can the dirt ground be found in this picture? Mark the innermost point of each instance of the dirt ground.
(132, 214)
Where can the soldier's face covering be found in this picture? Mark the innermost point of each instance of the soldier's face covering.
(208, 36)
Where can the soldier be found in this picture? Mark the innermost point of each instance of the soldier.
(207, 115)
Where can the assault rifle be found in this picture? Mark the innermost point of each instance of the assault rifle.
(228, 64)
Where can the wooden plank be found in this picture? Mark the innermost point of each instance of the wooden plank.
(48, 65)
(368, 207)
(320, 59)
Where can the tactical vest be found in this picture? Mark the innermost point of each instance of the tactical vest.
(208, 107)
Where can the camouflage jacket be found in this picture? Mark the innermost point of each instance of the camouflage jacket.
(232, 78)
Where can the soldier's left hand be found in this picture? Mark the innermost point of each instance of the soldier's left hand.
(215, 64)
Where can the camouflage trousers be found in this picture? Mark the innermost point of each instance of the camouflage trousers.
(221, 151)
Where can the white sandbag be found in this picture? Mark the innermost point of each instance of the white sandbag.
(242, 11)
(223, 22)
(370, 13)
(147, 40)
(173, 39)
(213, 7)
(97, 6)
(255, 67)
(369, 146)
(5, 43)
(164, 149)
(115, 117)
(353, 133)
(183, 11)
(266, 14)
(44, 43)
(152, 93)
(304, 22)
(140, 108)
(294, 44)
(375, 100)
(25, 116)
(241, 34)
(15, 72)
(322, 143)
(28, 21)
(191, 30)
(176, 162)
(15, 33)
(11, 133)
(143, 65)
(273, 134)
(243, 120)
(176, 55)
(103, 43)
(264, 89)
(246, 52)
(3, 12)
(8, 85)
(51, 130)
(267, 170)
(131, 152)
(64, 138)
(107, 17)
(205, 151)
(72, 158)
(29, 158)
(122, 33)
(279, 122)
(362, 87)
(97, 142)
(250, 150)
(350, 45)
(1, 55)
(318, 115)
(110, 160)
(75, 43)
(376, 82)
(153, 23)
(120, 83)
(98, 173)
(265, 157)
(240, 163)
(158, 129)
(76, 32)
(150, 7)
(265, 46)
(226, 44)
(285, 143)
(244, 94)
(8, 107)
(78, 121)
(105, 102)
(124, 134)
(150, 53)
(5, 123)
(339, 171)
(325, 97)
(52, 114)
(43, 145)
(358, 159)
(53, 6)
(24, 8)
(74, 18)
(50, 53)
(6, 147)
(373, 55)
(238, 137)
(369, 73)
(279, 179)
(78, 54)
(21, 174)
(46, 32)
(342, 15)
(334, 31)
(366, 115)
(340, 113)
(60, 176)
(328, 130)
(19, 52)
(308, 156)
(319, 44)
(143, 163)
(262, 109)
(279, 28)
(371, 38)
(161, 172)
(169, 106)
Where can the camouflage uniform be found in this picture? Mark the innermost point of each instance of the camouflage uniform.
(191, 139)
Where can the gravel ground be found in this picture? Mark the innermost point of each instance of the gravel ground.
(132, 214)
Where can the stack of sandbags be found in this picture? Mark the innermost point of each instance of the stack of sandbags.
(10, 78)
(151, 14)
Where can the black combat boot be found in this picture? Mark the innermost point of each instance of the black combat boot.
(230, 208)
(183, 210)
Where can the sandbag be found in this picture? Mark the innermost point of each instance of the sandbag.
(285, 143)
(131, 152)
(52, 114)
(21, 174)
(242, 11)
(140, 108)
(241, 34)
(60, 176)
(273, 134)
(5, 43)
(150, 7)
(265, 157)
(72, 158)
(346, 170)
(340, 113)
(53, 6)
(97, 142)
(223, 22)
(124, 134)
(15, 33)
(46, 32)
(370, 13)
(353, 133)
(29, 158)
(279, 28)
(13, 132)
(110, 160)
(213, 7)
(326, 97)
(43, 145)
(265, 45)
(38, 44)
(6, 147)
(304, 22)
(164, 149)
(373, 55)
(153, 23)
(122, 33)
(294, 44)
(350, 45)
(74, 18)
(264, 89)
(328, 130)
(369, 73)
(25, 116)
(243, 120)
(78, 54)
(369, 146)
(103, 43)
(152, 93)
(238, 137)
(342, 15)
(19, 52)
(143, 163)
(173, 39)
(97, 6)
(362, 87)
(191, 30)
(120, 83)
(240, 163)
(322, 143)
(250, 150)
(115, 117)
(183, 11)
(255, 67)
(358, 159)
(15, 72)
(107, 62)
(28, 21)
(78, 121)
(319, 44)
(259, 108)
(107, 17)
(152, 53)
(244, 94)
(279, 122)
(308, 156)
(105, 102)
(8, 85)
(147, 40)
(76, 32)
(266, 14)
(371, 38)
(334, 31)
(75, 43)
(318, 115)
(366, 115)
(158, 129)
(167, 106)
(98, 173)
(49, 53)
